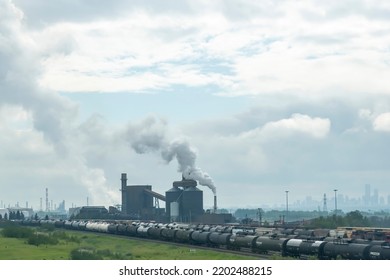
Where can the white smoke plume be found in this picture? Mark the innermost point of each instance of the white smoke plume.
(52, 115)
(150, 136)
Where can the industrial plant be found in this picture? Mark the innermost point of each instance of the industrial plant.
(183, 203)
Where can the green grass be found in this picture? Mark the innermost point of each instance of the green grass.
(109, 247)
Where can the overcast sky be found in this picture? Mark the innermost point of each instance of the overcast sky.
(266, 96)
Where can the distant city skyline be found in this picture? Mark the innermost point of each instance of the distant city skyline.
(345, 203)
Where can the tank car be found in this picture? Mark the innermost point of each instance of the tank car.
(113, 228)
(219, 239)
(292, 247)
(305, 234)
(168, 234)
(68, 225)
(238, 241)
(131, 230)
(75, 225)
(206, 228)
(265, 244)
(350, 251)
(155, 232)
(82, 225)
(59, 224)
(91, 226)
(183, 236)
(311, 248)
(378, 252)
(200, 237)
(143, 231)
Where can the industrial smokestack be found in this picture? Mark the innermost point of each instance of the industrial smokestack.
(124, 181)
(47, 200)
(215, 204)
(123, 190)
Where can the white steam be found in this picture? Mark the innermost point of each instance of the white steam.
(52, 115)
(186, 156)
(150, 136)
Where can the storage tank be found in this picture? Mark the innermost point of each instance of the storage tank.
(172, 195)
(175, 211)
(191, 204)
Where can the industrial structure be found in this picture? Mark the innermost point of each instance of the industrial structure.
(139, 201)
(183, 203)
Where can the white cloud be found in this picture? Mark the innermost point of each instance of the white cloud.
(302, 50)
(315, 127)
(382, 122)
(298, 123)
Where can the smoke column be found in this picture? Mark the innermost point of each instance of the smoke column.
(150, 136)
(186, 157)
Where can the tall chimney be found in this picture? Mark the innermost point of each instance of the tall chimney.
(215, 204)
(124, 181)
(47, 200)
(123, 190)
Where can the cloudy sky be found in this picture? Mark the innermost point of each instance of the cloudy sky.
(265, 96)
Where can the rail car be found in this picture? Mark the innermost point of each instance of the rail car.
(287, 244)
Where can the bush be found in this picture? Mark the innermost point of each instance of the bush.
(92, 254)
(84, 254)
(48, 227)
(63, 236)
(16, 231)
(39, 239)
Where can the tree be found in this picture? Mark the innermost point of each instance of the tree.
(5, 216)
(355, 218)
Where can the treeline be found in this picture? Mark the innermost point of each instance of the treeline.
(351, 219)
(272, 216)
(314, 218)
(18, 215)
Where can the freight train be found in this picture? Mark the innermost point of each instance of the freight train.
(288, 243)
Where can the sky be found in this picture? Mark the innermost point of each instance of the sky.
(253, 97)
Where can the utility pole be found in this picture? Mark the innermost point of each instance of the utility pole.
(335, 201)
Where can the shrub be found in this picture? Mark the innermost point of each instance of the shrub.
(16, 231)
(39, 239)
(48, 227)
(64, 236)
(84, 254)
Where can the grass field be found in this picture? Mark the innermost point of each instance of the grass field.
(108, 247)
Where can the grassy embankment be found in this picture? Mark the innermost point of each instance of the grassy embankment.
(85, 245)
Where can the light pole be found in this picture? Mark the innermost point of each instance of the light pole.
(286, 204)
(335, 201)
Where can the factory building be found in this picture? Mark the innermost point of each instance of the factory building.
(183, 203)
(139, 201)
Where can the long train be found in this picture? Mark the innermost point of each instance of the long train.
(286, 245)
